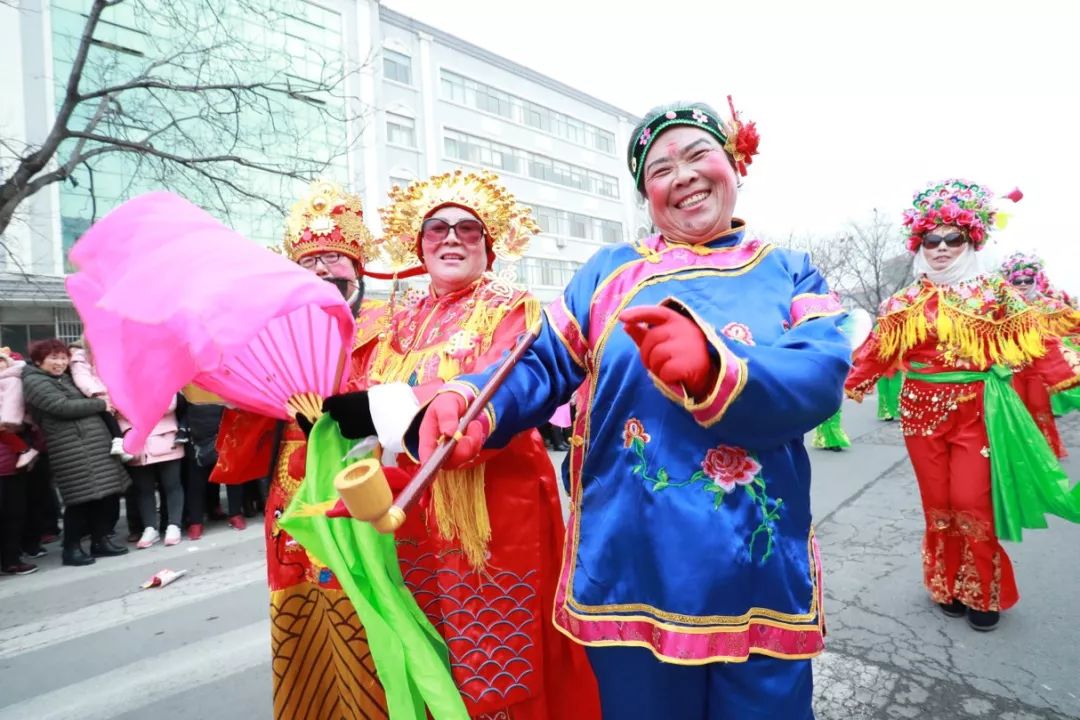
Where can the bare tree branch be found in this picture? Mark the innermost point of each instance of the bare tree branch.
(181, 100)
(877, 265)
(865, 264)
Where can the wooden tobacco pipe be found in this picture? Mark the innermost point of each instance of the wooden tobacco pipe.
(363, 486)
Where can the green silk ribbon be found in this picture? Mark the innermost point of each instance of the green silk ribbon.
(410, 656)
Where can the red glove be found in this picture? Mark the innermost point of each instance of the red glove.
(440, 422)
(673, 348)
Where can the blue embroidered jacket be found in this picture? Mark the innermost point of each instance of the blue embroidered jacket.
(690, 528)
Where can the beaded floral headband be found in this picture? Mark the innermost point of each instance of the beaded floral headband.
(966, 205)
(740, 139)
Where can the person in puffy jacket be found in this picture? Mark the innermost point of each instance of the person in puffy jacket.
(89, 478)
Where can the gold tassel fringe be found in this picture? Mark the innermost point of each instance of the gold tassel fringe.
(1062, 322)
(458, 499)
(461, 513)
(1016, 340)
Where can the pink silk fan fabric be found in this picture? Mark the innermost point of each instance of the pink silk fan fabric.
(170, 296)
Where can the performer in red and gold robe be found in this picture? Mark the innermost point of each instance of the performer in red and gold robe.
(1026, 274)
(321, 664)
(481, 554)
(956, 332)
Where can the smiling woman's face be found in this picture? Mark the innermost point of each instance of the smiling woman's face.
(690, 185)
(456, 259)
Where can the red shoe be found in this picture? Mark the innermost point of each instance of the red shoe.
(237, 522)
(49, 539)
(195, 531)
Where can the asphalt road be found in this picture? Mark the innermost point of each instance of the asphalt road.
(88, 644)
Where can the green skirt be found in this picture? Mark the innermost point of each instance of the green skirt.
(1063, 403)
(829, 434)
(888, 396)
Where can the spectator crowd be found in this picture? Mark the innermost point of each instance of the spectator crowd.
(66, 476)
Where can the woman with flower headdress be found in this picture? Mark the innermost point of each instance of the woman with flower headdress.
(320, 651)
(699, 357)
(481, 558)
(1025, 273)
(984, 470)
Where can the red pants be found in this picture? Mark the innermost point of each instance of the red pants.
(1031, 388)
(962, 558)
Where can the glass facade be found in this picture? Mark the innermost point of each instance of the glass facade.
(295, 47)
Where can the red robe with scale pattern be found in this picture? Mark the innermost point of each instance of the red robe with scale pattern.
(506, 656)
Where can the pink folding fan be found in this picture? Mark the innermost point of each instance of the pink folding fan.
(170, 296)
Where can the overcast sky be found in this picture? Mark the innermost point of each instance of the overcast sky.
(859, 103)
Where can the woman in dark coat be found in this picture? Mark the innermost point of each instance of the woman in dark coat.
(90, 480)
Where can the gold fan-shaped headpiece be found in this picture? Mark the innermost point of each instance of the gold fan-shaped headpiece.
(509, 225)
(328, 219)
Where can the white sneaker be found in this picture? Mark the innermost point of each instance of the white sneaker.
(26, 459)
(149, 537)
(117, 448)
(172, 535)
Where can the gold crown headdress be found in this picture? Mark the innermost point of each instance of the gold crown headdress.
(509, 225)
(328, 219)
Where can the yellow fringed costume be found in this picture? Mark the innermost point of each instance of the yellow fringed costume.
(928, 329)
(981, 323)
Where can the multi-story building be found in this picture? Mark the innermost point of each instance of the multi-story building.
(443, 103)
(431, 102)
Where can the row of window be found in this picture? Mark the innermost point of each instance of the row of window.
(563, 222)
(466, 91)
(534, 272)
(457, 88)
(571, 224)
(470, 148)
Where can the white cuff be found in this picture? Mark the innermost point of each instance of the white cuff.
(393, 407)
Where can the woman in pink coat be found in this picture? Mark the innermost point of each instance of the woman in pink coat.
(157, 465)
(15, 454)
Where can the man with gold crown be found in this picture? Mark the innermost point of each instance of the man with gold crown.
(481, 554)
(320, 653)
